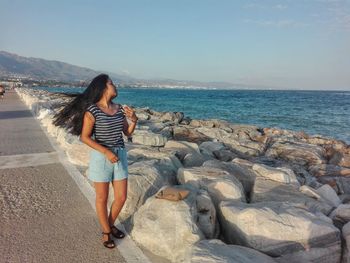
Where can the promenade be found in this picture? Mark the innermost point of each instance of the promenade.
(44, 216)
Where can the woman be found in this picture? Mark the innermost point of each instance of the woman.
(101, 124)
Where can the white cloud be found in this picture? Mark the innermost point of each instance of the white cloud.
(280, 7)
(276, 23)
(262, 6)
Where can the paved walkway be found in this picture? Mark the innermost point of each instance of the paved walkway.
(44, 217)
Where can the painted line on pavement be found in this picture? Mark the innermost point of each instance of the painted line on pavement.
(26, 160)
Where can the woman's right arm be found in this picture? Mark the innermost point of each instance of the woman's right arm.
(85, 137)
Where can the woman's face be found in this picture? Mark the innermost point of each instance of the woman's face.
(111, 89)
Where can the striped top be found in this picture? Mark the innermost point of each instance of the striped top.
(108, 129)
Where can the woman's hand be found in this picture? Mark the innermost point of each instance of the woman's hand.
(111, 156)
(130, 113)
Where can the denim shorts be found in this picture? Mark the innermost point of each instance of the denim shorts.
(102, 170)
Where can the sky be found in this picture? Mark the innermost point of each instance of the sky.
(288, 44)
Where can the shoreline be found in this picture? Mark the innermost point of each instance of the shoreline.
(294, 111)
(211, 88)
(232, 167)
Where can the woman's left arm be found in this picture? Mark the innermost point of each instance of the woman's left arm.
(128, 129)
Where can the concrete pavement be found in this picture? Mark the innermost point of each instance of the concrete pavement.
(44, 216)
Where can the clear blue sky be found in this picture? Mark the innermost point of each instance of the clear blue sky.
(286, 44)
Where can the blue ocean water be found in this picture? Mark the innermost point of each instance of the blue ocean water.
(316, 112)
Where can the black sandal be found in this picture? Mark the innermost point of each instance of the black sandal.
(117, 233)
(109, 243)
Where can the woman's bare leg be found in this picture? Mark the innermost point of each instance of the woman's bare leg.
(101, 206)
(120, 189)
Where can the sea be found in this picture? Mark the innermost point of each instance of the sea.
(325, 113)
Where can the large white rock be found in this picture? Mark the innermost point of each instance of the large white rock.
(280, 174)
(268, 190)
(149, 138)
(246, 175)
(137, 153)
(220, 184)
(145, 179)
(312, 255)
(241, 145)
(214, 251)
(277, 228)
(79, 154)
(169, 229)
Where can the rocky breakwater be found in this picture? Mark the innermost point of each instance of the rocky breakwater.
(254, 194)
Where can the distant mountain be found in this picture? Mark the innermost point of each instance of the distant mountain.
(12, 65)
(42, 69)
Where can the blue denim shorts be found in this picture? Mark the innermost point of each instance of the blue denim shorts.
(102, 170)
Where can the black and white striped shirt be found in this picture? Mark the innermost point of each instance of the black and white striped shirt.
(108, 129)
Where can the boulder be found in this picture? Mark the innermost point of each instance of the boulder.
(279, 174)
(78, 154)
(277, 229)
(220, 184)
(241, 146)
(207, 148)
(225, 155)
(297, 152)
(341, 214)
(311, 255)
(341, 159)
(245, 174)
(284, 135)
(149, 138)
(346, 244)
(180, 148)
(182, 133)
(213, 251)
(169, 229)
(329, 195)
(138, 153)
(328, 170)
(268, 190)
(194, 159)
(145, 179)
(175, 117)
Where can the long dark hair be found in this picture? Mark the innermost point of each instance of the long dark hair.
(71, 116)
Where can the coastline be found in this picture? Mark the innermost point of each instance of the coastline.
(171, 149)
(316, 113)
